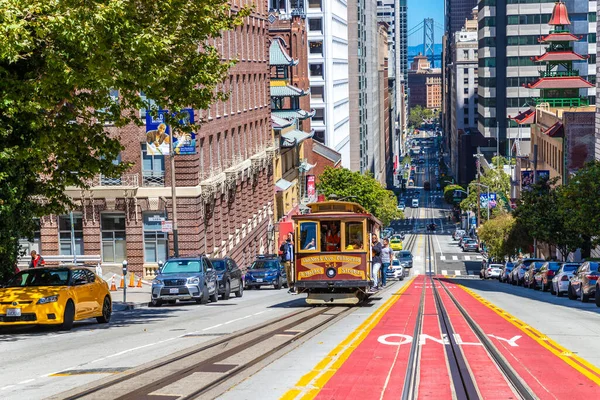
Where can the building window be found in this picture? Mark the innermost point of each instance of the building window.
(319, 136)
(316, 47)
(315, 24)
(466, 53)
(29, 244)
(113, 238)
(314, 3)
(316, 70)
(153, 168)
(106, 181)
(155, 241)
(277, 4)
(64, 233)
(150, 103)
(317, 93)
(319, 115)
(466, 90)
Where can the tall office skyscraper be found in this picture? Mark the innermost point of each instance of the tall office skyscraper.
(395, 14)
(508, 41)
(457, 11)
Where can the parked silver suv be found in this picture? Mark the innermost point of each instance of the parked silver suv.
(185, 278)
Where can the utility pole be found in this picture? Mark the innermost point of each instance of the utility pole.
(535, 160)
(174, 197)
(478, 193)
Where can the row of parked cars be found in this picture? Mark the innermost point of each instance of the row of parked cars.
(464, 241)
(576, 280)
(204, 279)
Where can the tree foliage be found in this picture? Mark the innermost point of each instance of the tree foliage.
(504, 236)
(498, 182)
(362, 189)
(61, 65)
(449, 193)
(418, 115)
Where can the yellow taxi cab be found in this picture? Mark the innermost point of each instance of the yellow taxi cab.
(396, 244)
(54, 296)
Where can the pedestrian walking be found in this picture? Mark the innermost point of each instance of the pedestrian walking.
(387, 256)
(36, 260)
(287, 258)
(376, 248)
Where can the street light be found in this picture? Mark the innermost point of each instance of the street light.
(468, 211)
(124, 281)
(488, 197)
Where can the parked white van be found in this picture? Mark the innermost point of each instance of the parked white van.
(415, 203)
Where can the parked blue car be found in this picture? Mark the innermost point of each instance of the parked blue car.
(266, 270)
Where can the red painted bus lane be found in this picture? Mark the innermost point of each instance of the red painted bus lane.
(548, 376)
(375, 368)
(487, 376)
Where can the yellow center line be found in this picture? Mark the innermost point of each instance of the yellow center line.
(581, 365)
(311, 384)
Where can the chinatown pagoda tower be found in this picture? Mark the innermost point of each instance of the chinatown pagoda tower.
(559, 83)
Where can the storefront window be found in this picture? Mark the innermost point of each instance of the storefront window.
(113, 238)
(155, 241)
(64, 234)
(308, 236)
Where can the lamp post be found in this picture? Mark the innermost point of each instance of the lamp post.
(174, 198)
(488, 197)
(73, 237)
(468, 211)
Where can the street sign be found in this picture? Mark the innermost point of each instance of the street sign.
(166, 226)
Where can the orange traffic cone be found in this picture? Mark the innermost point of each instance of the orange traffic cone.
(131, 280)
(113, 286)
(122, 284)
(139, 283)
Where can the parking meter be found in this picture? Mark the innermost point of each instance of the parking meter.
(124, 279)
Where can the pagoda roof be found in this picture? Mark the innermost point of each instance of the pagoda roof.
(562, 82)
(526, 117)
(556, 130)
(291, 114)
(287, 91)
(278, 55)
(560, 15)
(568, 55)
(292, 138)
(280, 123)
(559, 37)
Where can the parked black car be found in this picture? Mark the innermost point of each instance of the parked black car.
(229, 276)
(583, 283)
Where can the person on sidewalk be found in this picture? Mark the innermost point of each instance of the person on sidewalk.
(376, 248)
(387, 256)
(287, 258)
(36, 260)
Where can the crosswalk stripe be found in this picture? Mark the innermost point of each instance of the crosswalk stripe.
(467, 258)
(455, 258)
(443, 258)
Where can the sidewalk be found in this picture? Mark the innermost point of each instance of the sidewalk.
(136, 297)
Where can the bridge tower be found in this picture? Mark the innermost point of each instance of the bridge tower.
(429, 40)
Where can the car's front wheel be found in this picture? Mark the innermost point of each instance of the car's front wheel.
(215, 296)
(156, 302)
(106, 311)
(584, 297)
(204, 298)
(227, 293)
(278, 284)
(571, 293)
(68, 317)
(240, 291)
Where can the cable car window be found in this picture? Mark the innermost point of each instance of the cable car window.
(308, 236)
(331, 236)
(354, 236)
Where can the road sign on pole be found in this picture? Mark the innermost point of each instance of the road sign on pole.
(166, 226)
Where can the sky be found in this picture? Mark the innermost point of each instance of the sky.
(421, 9)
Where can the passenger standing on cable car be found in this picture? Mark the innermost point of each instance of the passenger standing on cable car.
(376, 248)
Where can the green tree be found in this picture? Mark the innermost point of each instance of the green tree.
(68, 69)
(498, 182)
(579, 202)
(541, 213)
(418, 115)
(449, 193)
(495, 233)
(362, 189)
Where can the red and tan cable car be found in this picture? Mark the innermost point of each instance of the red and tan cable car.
(333, 252)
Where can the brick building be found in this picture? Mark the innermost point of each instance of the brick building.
(424, 84)
(224, 190)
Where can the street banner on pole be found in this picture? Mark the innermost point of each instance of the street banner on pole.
(158, 134)
(484, 202)
(310, 185)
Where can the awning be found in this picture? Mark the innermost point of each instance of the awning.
(563, 82)
(282, 185)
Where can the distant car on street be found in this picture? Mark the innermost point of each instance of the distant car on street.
(405, 258)
(229, 276)
(504, 275)
(493, 271)
(266, 270)
(560, 281)
(583, 282)
(528, 278)
(396, 244)
(185, 278)
(470, 245)
(395, 271)
(458, 233)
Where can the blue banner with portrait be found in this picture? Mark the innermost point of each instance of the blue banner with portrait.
(158, 134)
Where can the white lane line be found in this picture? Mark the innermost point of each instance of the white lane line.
(7, 387)
(258, 313)
(238, 319)
(26, 381)
(128, 351)
(212, 327)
